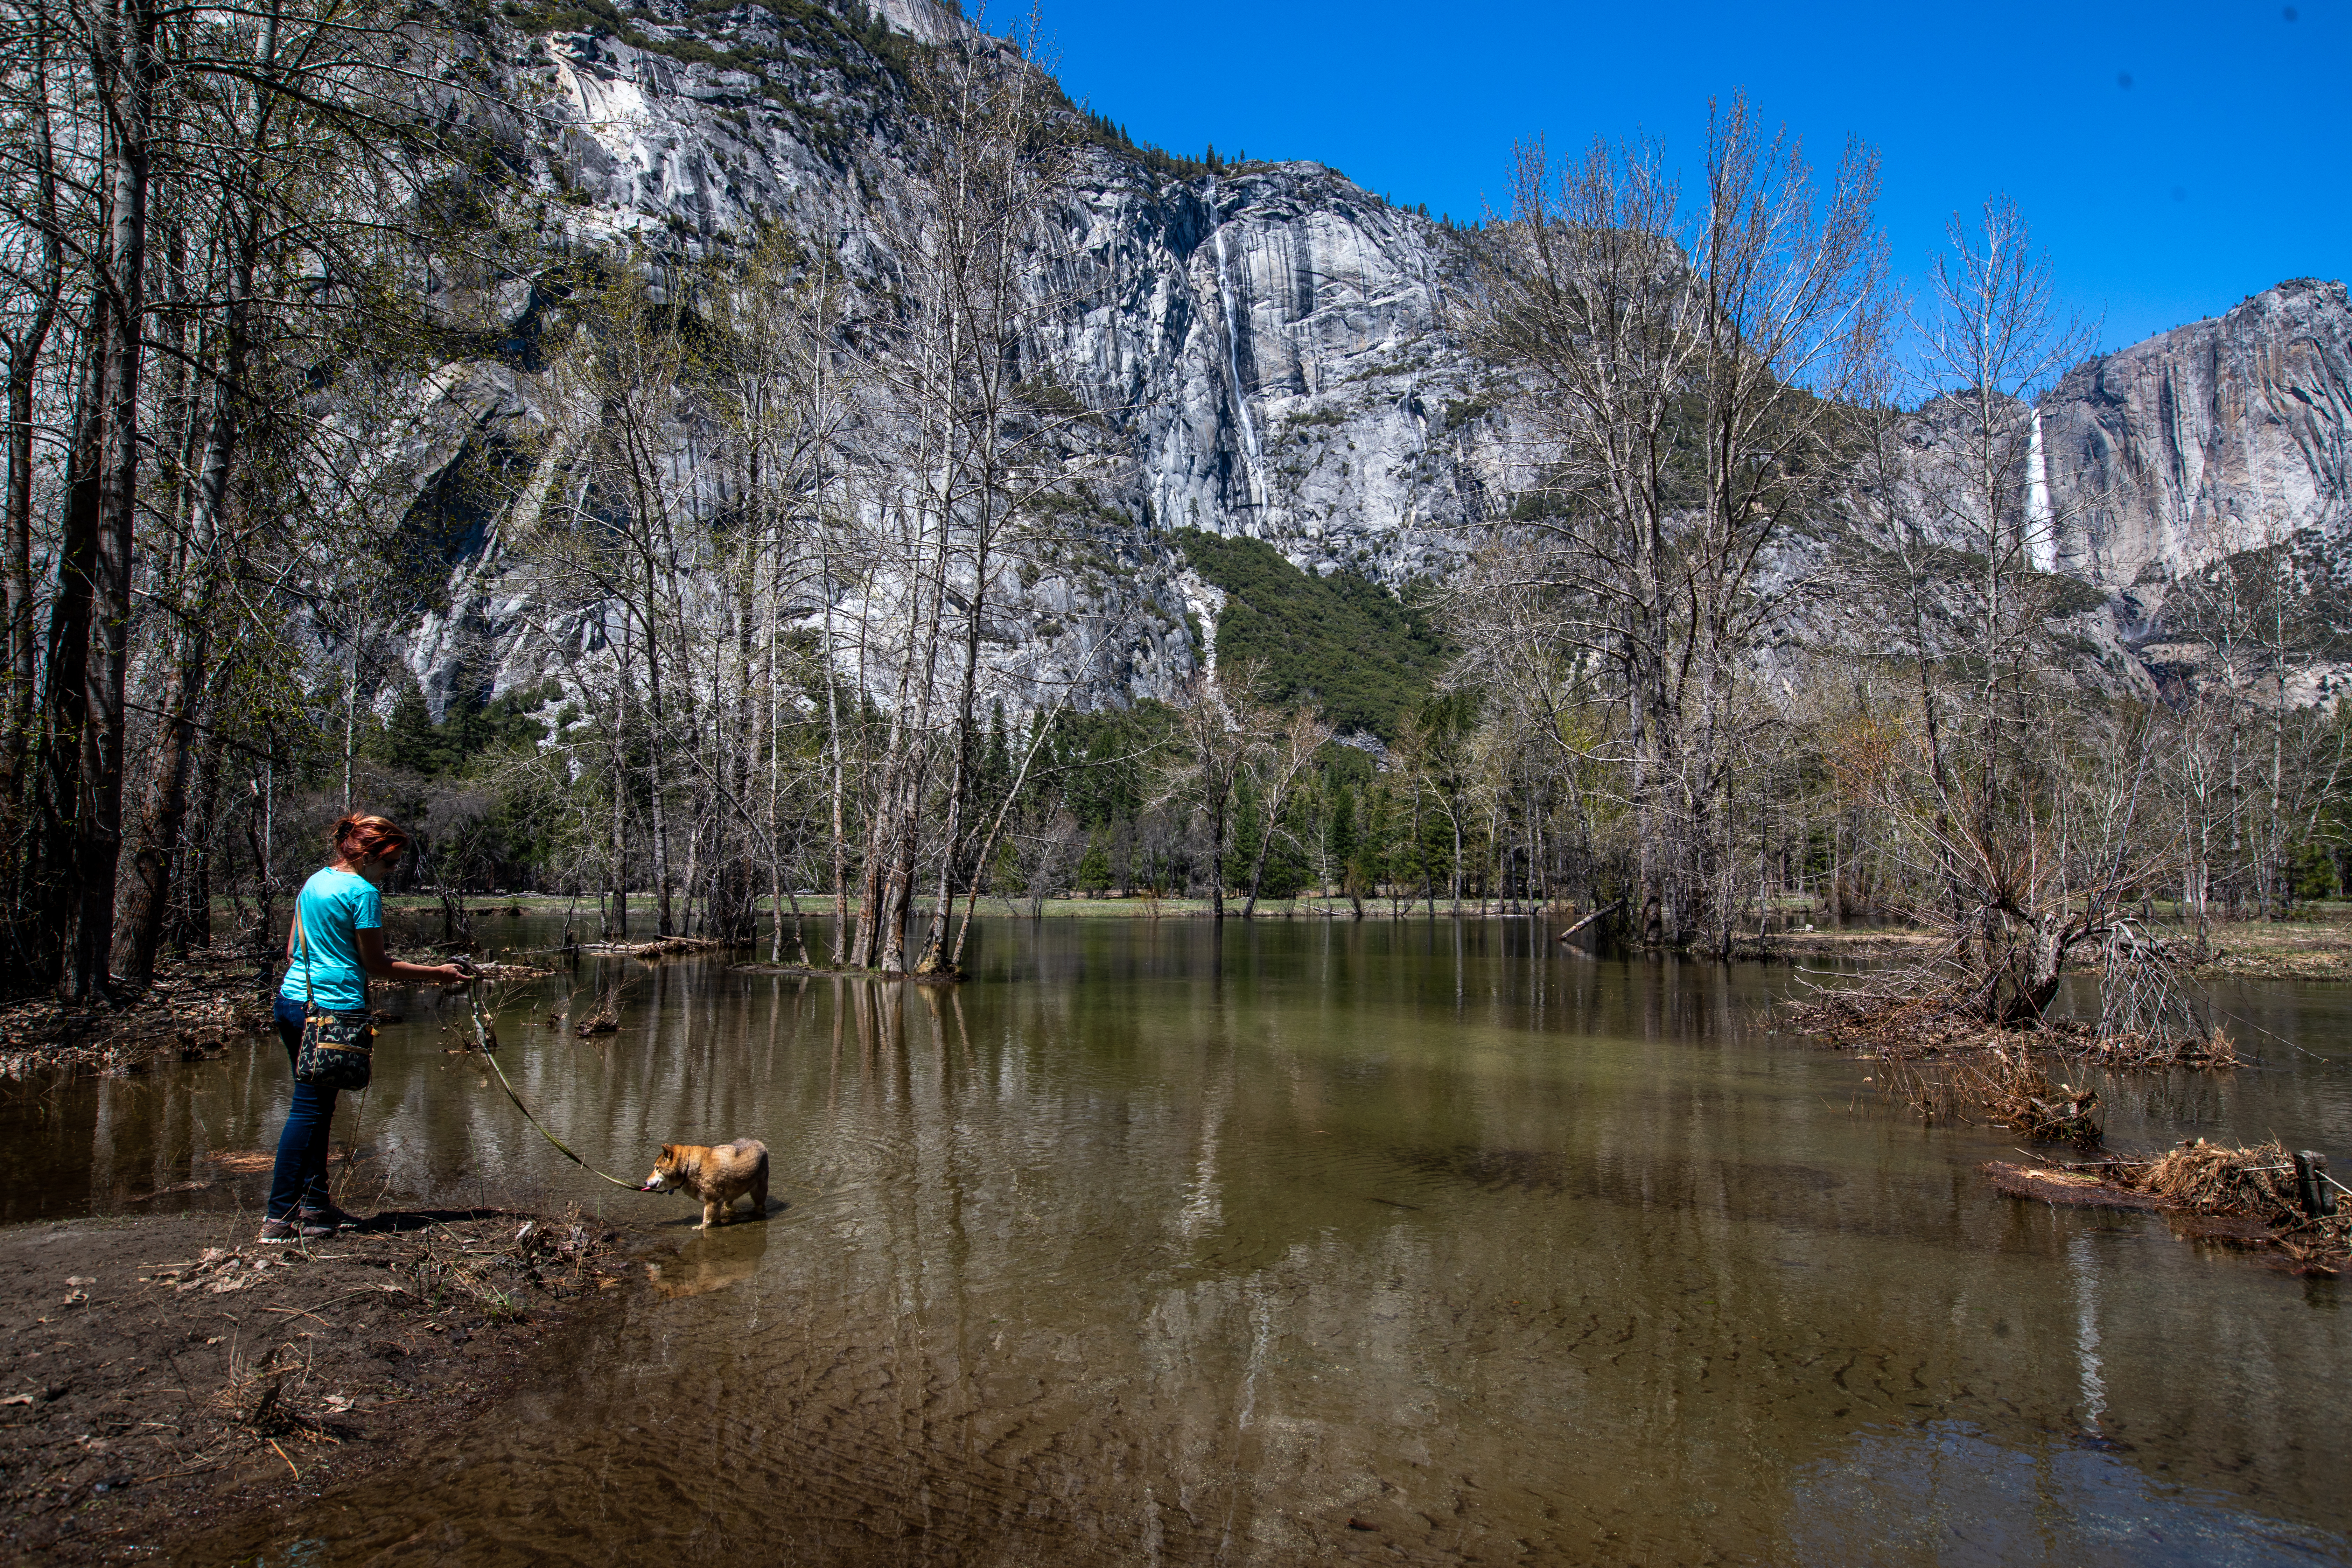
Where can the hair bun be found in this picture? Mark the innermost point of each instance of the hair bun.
(368, 838)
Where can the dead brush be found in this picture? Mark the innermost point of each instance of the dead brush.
(2000, 1083)
(2148, 1018)
(2259, 1182)
(604, 1017)
(255, 1395)
(1867, 1016)
(2212, 1050)
(2212, 1178)
(537, 1250)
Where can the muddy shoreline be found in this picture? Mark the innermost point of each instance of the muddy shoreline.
(196, 1007)
(166, 1374)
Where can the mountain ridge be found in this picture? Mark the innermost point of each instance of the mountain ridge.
(1268, 344)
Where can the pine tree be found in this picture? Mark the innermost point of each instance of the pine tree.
(409, 739)
(1094, 870)
(1340, 837)
(996, 759)
(1241, 854)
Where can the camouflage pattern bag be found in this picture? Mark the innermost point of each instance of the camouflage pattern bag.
(338, 1049)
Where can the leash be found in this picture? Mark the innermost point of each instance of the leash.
(482, 1040)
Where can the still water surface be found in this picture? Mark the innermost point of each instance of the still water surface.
(1306, 1243)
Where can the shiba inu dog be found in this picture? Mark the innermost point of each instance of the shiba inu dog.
(718, 1176)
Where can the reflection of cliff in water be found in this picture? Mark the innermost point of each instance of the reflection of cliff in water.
(1418, 1223)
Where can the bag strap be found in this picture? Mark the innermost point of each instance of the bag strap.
(303, 940)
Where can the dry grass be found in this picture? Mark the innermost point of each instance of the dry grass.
(2257, 1183)
(2316, 944)
(2211, 1178)
(2000, 1082)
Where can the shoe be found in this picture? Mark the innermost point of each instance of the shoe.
(295, 1227)
(331, 1217)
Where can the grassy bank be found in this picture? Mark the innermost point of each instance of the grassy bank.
(2316, 944)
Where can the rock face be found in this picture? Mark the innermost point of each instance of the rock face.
(2221, 435)
(1267, 346)
(1264, 344)
(1277, 334)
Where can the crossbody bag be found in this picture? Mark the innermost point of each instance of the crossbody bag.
(338, 1049)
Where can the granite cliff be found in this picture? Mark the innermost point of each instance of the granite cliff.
(1268, 344)
(2221, 435)
(1265, 342)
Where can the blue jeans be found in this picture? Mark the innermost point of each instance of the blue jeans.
(300, 1181)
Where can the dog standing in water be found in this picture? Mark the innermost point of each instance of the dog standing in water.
(718, 1176)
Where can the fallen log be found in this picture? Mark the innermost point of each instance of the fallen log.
(1599, 914)
(663, 947)
(2069, 1189)
(2184, 1186)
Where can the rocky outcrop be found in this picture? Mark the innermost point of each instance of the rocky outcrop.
(1265, 348)
(2221, 435)
(1262, 345)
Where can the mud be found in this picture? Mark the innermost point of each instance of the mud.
(166, 1375)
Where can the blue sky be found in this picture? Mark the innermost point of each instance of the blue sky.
(2223, 166)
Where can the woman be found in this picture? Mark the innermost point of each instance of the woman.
(335, 942)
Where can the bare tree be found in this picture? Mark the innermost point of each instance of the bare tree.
(2262, 754)
(1213, 745)
(2024, 803)
(1292, 749)
(1686, 380)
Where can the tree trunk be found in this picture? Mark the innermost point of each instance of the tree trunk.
(1217, 855)
(99, 849)
(147, 896)
(656, 783)
(935, 958)
(24, 351)
(45, 897)
(2046, 960)
(188, 927)
(15, 744)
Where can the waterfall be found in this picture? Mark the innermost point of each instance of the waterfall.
(1252, 458)
(2041, 533)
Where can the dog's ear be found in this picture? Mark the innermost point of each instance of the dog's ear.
(669, 1150)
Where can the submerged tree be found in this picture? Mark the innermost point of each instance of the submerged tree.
(1688, 380)
(2024, 802)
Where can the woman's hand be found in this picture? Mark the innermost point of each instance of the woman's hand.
(376, 962)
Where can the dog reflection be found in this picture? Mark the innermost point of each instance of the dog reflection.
(711, 1261)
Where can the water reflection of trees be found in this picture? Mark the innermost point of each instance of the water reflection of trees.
(1186, 1229)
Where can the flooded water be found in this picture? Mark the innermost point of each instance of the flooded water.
(1309, 1242)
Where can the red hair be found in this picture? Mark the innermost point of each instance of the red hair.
(368, 838)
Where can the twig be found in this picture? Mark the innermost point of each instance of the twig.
(175, 1474)
(299, 1312)
(281, 1454)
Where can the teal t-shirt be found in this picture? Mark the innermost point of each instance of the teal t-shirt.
(335, 907)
